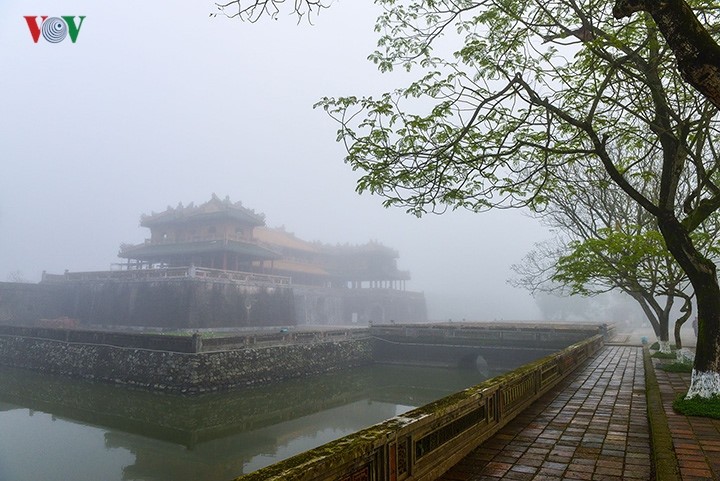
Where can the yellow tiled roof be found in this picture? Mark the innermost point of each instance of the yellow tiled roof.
(281, 238)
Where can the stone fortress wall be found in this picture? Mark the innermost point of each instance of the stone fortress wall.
(191, 364)
(180, 364)
(196, 303)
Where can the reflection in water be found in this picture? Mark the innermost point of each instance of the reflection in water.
(37, 446)
(65, 429)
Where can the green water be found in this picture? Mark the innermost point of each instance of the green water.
(54, 428)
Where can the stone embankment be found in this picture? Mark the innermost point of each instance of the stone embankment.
(119, 361)
(192, 364)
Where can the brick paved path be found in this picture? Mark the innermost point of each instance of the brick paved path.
(593, 426)
(696, 440)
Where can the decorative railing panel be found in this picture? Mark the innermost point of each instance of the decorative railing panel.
(428, 443)
(519, 392)
(548, 374)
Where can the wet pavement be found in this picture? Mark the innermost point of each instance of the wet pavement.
(593, 426)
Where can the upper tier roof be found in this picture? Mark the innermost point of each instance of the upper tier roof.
(214, 209)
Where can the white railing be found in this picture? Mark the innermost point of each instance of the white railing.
(237, 276)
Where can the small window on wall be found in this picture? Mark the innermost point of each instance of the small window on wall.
(164, 236)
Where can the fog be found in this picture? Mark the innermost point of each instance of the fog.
(157, 103)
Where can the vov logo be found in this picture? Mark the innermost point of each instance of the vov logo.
(54, 29)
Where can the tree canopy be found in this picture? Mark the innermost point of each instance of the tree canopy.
(509, 91)
(532, 86)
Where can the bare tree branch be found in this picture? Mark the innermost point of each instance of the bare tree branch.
(254, 10)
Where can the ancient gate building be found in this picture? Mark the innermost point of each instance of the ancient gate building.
(218, 265)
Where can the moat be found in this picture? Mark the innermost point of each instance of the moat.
(55, 428)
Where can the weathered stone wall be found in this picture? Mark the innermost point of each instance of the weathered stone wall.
(198, 303)
(182, 372)
(457, 344)
(328, 306)
(191, 364)
(155, 342)
(21, 303)
(177, 303)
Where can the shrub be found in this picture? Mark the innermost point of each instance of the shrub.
(677, 367)
(697, 406)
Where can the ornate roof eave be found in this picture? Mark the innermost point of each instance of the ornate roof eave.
(214, 208)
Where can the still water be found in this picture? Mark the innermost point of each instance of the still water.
(54, 428)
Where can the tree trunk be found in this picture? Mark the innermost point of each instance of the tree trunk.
(698, 59)
(687, 312)
(706, 371)
(652, 313)
(702, 274)
(664, 338)
(678, 324)
(696, 52)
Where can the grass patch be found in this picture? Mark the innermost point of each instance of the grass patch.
(664, 355)
(677, 367)
(697, 406)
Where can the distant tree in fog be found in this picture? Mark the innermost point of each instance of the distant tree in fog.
(607, 242)
(611, 307)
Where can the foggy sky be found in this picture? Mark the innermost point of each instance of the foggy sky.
(157, 104)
